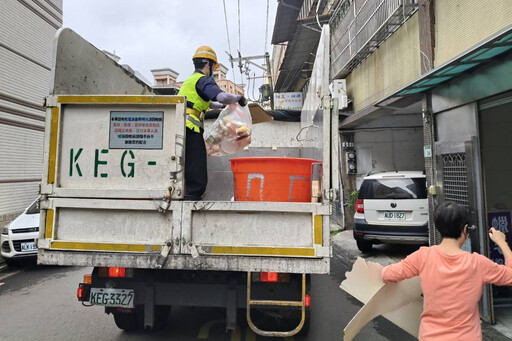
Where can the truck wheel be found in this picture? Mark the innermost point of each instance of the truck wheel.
(126, 321)
(364, 246)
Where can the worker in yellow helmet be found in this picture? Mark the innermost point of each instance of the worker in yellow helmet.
(202, 94)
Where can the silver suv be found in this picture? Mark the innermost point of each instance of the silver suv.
(392, 207)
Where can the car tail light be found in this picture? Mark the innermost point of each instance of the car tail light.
(268, 276)
(360, 206)
(307, 301)
(116, 272)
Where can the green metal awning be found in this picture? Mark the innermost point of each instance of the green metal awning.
(486, 52)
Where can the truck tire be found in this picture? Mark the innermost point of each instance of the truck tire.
(364, 246)
(126, 321)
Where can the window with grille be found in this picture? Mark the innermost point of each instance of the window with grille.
(455, 186)
(455, 179)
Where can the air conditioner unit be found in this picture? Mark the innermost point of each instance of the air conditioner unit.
(338, 88)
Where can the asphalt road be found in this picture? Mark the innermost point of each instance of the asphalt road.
(39, 302)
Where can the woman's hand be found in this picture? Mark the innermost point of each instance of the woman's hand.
(497, 236)
(500, 239)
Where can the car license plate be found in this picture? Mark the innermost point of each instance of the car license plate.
(112, 297)
(388, 215)
(28, 246)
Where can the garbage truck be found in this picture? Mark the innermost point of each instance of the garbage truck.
(112, 199)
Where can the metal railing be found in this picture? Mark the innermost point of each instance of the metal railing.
(360, 26)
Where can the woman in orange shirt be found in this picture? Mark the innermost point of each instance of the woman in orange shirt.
(452, 279)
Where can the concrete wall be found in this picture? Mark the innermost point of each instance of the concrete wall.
(27, 30)
(393, 65)
(460, 24)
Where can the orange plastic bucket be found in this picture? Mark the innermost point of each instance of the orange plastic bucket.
(272, 179)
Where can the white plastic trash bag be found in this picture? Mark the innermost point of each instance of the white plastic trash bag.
(231, 132)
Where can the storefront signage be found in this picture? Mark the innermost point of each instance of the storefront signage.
(136, 129)
(288, 100)
(500, 221)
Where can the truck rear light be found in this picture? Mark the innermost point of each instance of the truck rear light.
(87, 279)
(116, 272)
(268, 276)
(82, 293)
(307, 301)
(360, 206)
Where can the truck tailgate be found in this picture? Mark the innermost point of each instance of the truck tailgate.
(238, 236)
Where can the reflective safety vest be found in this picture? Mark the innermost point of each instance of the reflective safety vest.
(196, 113)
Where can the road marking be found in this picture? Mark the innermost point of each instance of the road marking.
(250, 335)
(236, 335)
(9, 274)
(204, 332)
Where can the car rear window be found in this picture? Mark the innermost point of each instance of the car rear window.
(406, 188)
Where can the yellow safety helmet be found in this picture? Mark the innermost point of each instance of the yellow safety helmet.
(208, 53)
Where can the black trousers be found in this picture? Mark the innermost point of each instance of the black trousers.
(196, 174)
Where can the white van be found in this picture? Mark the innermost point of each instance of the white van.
(392, 207)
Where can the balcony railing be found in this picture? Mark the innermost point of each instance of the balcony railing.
(360, 26)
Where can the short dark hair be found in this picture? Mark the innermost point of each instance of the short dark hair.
(450, 219)
(199, 63)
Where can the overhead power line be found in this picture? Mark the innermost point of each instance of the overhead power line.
(229, 42)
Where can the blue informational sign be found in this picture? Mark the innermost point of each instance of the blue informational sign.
(500, 221)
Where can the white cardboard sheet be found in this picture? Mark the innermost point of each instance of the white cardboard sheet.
(401, 303)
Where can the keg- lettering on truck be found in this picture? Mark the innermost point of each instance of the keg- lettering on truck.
(112, 199)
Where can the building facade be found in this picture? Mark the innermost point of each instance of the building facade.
(429, 84)
(27, 31)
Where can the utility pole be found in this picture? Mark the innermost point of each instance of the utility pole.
(249, 60)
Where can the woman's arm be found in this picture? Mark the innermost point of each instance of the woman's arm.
(500, 239)
(496, 273)
(407, 268)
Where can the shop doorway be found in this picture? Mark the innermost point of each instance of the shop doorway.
(495, 122)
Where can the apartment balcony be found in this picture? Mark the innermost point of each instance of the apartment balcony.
(359, 27)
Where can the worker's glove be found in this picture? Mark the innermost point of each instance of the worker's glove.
(242, 101)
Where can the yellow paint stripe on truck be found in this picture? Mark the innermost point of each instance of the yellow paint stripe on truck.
(53, 145)
(48, 232)
(121, 99)
(318, 229)
(263, 251)
(62, 245)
